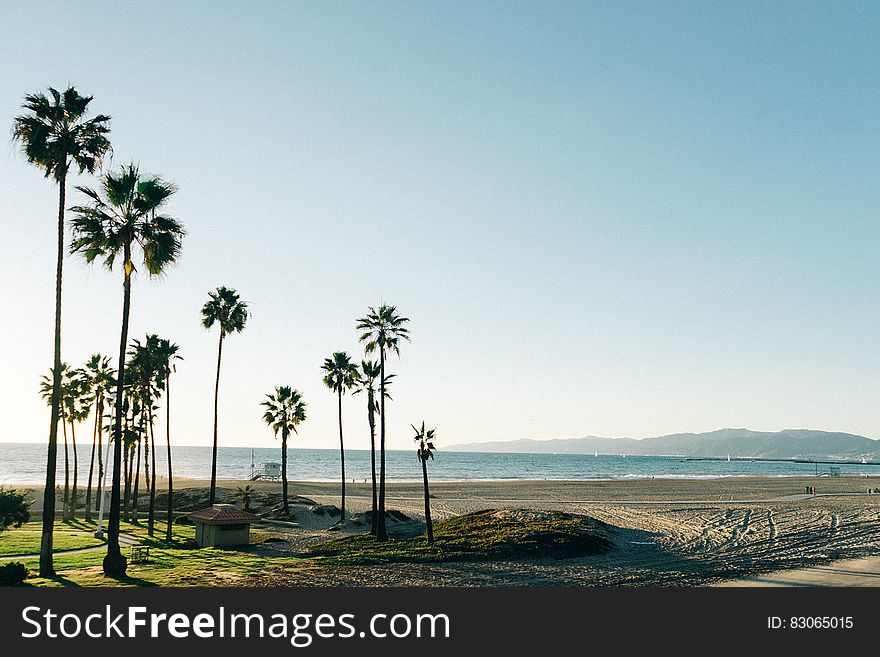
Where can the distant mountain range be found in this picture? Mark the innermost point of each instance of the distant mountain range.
(738, 443)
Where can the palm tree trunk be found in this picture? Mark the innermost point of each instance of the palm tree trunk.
(284, 472)
(342, 458)
(146, 448)
(91, 469)
(428, 523)
(65, 505)
(371, 417)
(126, 502)
(114, 562)
(100, 455)
(213, 495)
(168, 443)
(137, 476)
(381, 532)
(75, 469)
(47, 568)
(151, 518)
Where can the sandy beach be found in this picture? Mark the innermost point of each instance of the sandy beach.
(665, 531)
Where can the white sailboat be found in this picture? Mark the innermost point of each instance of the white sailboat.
(728, 458)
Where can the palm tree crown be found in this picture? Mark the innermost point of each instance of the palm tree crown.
(225, 308)
(54, 131)
(285, 410)
(340, 374)
(368, 377)
(424, 442)
(383, 329)
(166, 355)
(100, 375)
(124, 215)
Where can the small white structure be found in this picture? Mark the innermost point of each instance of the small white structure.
(271, 471)
(221, 525)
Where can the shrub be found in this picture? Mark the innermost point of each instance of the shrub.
(13, 508)
(12, 573)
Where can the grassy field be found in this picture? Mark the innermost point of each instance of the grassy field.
(504, 534)
(70, 535)
(176, 564)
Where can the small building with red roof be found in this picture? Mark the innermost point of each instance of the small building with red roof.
(222, 525)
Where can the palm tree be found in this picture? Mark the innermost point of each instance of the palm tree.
(77, 397)
(285, 411)
(55, 134)
(74, 408)
(99, 377)
(46, 390)
(340, 375)
(166, 355)
(245, 493)
(367, 383)
(425, 450)
(149, 380)
(382, 330)
(123, 217)
(224, 307)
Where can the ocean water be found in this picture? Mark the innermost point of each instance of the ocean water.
(26, 463)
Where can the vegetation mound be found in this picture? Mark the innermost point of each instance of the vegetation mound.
(490, 534)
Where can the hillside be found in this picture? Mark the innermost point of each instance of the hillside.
(787, 444)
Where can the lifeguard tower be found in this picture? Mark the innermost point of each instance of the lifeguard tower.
(271, 471)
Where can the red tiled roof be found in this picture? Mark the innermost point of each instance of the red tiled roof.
(223, 514)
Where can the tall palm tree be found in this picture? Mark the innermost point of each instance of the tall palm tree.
(425, 450)
(369, 373)
(55, 134)
(119, 218)
(144, 358)
(340, 375)
(285, 411)
(99, 377)
(46, 391)
(166, 355)
(224, 307)
(77, 397)
(382, 330)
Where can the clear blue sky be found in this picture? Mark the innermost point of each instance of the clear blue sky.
(619, 219)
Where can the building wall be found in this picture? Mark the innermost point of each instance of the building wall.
(220, 535)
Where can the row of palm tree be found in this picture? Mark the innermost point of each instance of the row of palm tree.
(382, 330)
(124, 218)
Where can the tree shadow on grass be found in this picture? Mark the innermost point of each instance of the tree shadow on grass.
(61, 580)
(131, 581)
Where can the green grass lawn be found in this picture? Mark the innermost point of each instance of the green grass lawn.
(174, 564)
(67, 536)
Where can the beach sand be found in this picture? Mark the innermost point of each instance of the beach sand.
(668, 531)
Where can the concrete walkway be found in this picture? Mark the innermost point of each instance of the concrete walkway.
(125, 540)
(864, 571)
